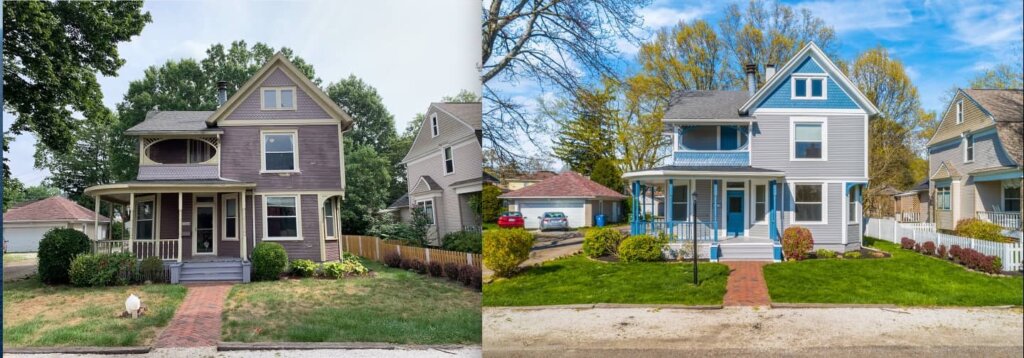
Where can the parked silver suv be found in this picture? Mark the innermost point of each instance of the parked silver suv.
(553, 220)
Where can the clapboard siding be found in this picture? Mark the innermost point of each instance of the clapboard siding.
(988, 153)
(319, 158)
(846, 147)
(309, 247)
(829, 235)
(468, 164)
(305, 106)
(781, 96)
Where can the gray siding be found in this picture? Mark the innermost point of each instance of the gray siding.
(830, 234)
(309, 247)
(305, 106)
(468, 164)
(846, 147)
(319, 158)
(450, 131)
(988, 153)
(853, 234)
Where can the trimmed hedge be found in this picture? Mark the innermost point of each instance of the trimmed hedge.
(463, 241)
(269, 260)
(642, 248)
(979, 229)
(451, 271)
(392, 259)
(505, 250)
(56, 250)
(435, 269)
(797, 242)
(602, 241)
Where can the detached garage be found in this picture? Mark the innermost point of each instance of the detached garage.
(25, 224)
(579, 198)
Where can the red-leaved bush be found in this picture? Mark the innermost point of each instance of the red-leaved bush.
(928, 248)
(917, 247)
(954, 252)
(942, 252)
(906, 243)
(976, 260)
(392, 259)
(797, 242)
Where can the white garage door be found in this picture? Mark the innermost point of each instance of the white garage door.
(24, 239)
(573, 209)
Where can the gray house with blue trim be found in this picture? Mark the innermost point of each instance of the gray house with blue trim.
(745, 165)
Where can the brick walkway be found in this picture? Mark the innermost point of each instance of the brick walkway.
(746, 285)
(197, 321)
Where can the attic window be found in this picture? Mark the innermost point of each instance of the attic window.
(433, 126)
(277, 98)
(959, 111)
(809, 87)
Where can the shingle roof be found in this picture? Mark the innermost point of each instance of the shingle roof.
(430, 184)
(172, 121)
(469, 112)
(401, 202)
(55, 208)
(1005, 105)
(535, 176)
(565, 185)
(706, 104)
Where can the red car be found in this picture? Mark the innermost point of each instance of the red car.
(510, 219)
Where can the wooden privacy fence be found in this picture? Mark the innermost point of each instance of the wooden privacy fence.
(374, 249)
(889, 230)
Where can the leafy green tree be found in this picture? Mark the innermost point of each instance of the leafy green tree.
(87, 163)
(585, 134)
(608, 174)
(490, 205)
(12, 187)
(464, 96)
(364, 197)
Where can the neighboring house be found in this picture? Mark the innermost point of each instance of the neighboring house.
(266, 166)
(914, 205)
(791, 153)
(653, 204)
(974, 158)
(444, 169)
(579, 198)
(522, 181)
(25, 224)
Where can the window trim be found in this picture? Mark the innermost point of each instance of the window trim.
(435, 130)
(277, 96)
(808, 78)
(938, 198)
(298, 218)
(1002, 198)
(960, 112)
(969, 145)
(824, 203)
(263, 150)
(793, 121)
(433, 210)
(764, 202)
(686, 201)
(195, 223)
(852, 205)
(444, 161)
(330, 205)
(224, 218)
(135, 217)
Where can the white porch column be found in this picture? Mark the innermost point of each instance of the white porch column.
(96, 218)
(241, 228)
(110, 225)
(180, 195)
(131, 233)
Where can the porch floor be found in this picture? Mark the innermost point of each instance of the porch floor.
(212, 259)
(744, 240)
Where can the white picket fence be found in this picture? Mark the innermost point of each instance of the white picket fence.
(889, 230)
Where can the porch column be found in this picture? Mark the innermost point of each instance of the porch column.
(714, 207)
(634, 224)
(96, 218)
(773, 231)
(668, 210)
(180, 195)
(131, 233)
(241, 227)
(110, 225)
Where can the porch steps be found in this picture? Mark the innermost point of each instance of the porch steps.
(229, 271)
(752, 251)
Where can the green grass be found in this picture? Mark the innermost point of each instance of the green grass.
(908, 279)
(490, 226)
(577, 280)
(395, 306)
(39, 315)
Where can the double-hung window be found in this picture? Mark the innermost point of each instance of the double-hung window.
(680, 203)
(959, 111)
(434, 130)
(812, 87)
(809, 201)
(1011, 197)
(229, 205)
(449, 161)
(808, 140)
(852, 205)
(968, 148)
(760, 202)
(942, 198)
(145, 211)
(329, 218)
(428, 208)
(280, 152)
(281, 221)
(277, 98)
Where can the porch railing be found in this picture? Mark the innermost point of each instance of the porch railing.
(911, 217)
(677, 230)
(165, 249)
(1006, 219)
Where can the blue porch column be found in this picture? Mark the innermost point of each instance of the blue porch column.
(668, 211)
(773, 228)
(634, 227)
(714, 221)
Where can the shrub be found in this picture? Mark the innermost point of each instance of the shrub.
(435, 269)
(463, 241)
(405, 264)
(642, 248)
(942, 251)
(343, 268)
(917, 247)
(907, 243)
(304, 268)
(56, 250)
(392, 259)
(476, 279)
(451, 270)
(954, 252)
(825, 254)
(152, 269)
(504, 250)
(268, 261)
(103, 269)
(602, 241)
(928, 248)
(995, 264)
(417, 266)
(84, 269)
(796, 242)
(979, 229)
(851, 255)
(122, 268)
(466, 274)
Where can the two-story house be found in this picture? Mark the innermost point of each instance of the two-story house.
(974, 158)
(266, 166)
(751, 163)
(444, 169)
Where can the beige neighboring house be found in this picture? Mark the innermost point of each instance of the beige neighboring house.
(25, 224)
(444, 169)
(974, 158)
(522, 181)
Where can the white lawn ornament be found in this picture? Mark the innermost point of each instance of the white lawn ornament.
(132, 305)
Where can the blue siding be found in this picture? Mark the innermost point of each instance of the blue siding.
(780, 96)
(728, 159)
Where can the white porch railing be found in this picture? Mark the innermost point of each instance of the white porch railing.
(677, 230)
(1006, 219)
(912, 217)
(165, 249)
(889, 230)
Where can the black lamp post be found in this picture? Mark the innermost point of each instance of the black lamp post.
(694, 224)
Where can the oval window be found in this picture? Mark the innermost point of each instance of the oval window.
(180, 151)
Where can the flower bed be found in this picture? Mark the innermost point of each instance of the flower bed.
(967, 257)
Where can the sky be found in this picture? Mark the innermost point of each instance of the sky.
(412, 52)
(941, 43)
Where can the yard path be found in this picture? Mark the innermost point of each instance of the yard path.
(753, 331)
(197, 321)
(746, 285)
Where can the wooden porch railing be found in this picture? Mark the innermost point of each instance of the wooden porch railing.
(678, 230)
(165, 249)
(374, 249)
(1006, 219)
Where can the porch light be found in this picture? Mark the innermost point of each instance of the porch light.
(132, 305)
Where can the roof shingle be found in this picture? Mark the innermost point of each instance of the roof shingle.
(565, 185)
(706, 104)
(55, 208)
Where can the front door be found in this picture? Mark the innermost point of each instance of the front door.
(734, 212)
(205, 243)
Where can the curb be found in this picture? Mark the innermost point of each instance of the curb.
(78, 350)
(267, 346)
(588, 306)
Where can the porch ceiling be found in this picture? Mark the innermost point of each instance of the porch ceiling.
(660, 174)
(120, 192)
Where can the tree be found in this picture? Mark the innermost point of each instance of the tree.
(884, 81)
(608, 174)
(464, 96)
(548, 42)
(585, 135)
(490, 205)
(687, 57)
(86, 163)
(11, 185)
(364, 197)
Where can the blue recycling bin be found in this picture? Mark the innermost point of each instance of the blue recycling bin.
(599, 220)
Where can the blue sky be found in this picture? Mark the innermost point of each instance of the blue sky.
(413, 52)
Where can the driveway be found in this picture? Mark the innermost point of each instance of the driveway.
(19, 266)
(512, 332)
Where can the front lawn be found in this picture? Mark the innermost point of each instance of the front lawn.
(39, 315)
(577, 279)
(908, 278)
(396, 306)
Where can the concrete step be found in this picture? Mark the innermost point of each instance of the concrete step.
(751, 251)
(211, 270)
(210, 277)
(211, 264)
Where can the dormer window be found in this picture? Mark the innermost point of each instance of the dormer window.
(277, 98)
(809, 87)
(434, 131)
(959, 111)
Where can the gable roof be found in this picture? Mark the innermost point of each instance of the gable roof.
(463, 115)
(173, 122)
(1003, 105)
(401, 202)
(469, 113)
(691, 104)
(566, 185)
(425, 184)
(289, 69)
(945, 171)
(56, 208)
(830, 68)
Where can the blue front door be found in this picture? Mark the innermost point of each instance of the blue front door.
(734, 212)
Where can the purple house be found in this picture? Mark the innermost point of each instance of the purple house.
(267, 165)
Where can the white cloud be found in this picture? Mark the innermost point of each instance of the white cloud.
(912, 72)
(851, 15)
(657, 16)
(997, 26)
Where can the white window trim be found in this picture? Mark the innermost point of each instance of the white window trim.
(277, 94)
(938, 198)
(224, 218)
(195, 224)
(135, 216)
(856, 205)
(793, 121)
(444, 161)
(808, 77)
(824, 203)
(960, 112)
(753, 212)
(298, 218)
(969, 143)
(433, 209)
(295, 150)
(686, 201)
(333, 218)
(435, 130)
